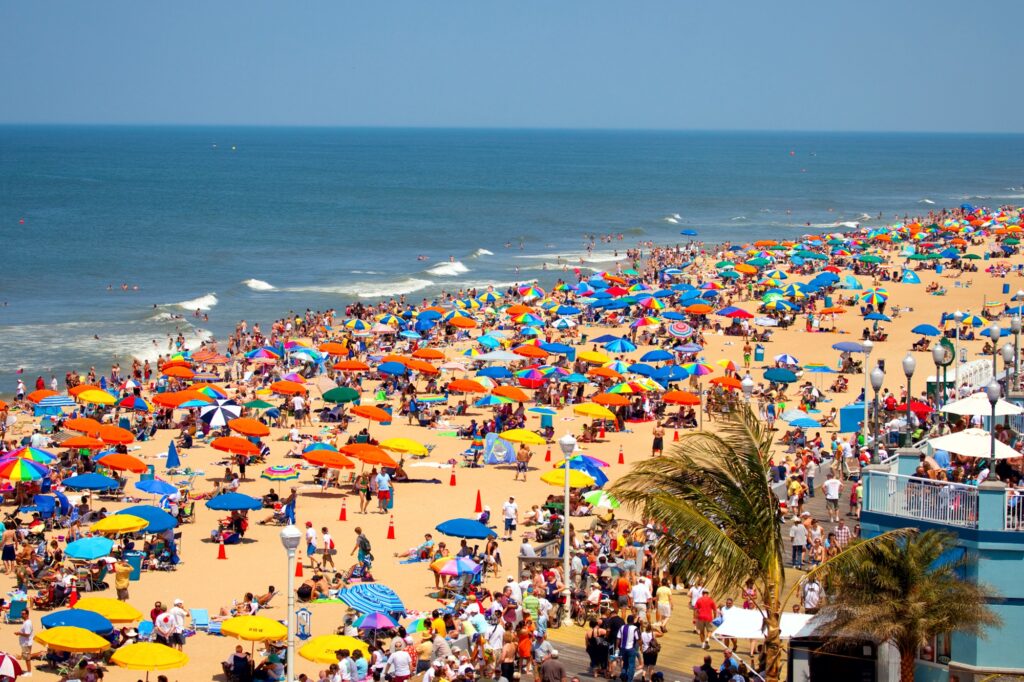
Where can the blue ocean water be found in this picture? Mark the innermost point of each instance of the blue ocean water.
(253, 222)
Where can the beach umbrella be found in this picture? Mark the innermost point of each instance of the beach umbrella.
(849, 347)
(680, 330)
(31, 454)
(38, 396)
(10, 667)
(155, 486)
(322, 649)
(375, 621)
(600, 498)
(779, 375)
(878, 317)
(220, 413)
(83, 443)
(455, 566)
(875, 296)
(805, 423)
(620, 346)
(369, 454)
(96, 397)
(116, 524)
(115, 435)
(577, 478)
(72, 639)
(90, 482)
(157, 520)
(926, 330)
(134, 402)
(512, 392)
(249, 427)
(280, 472)
(681, 398)
(657, 355)
(977, 405)
(149, 656)
(371, 412)
(787, 360)
(123, 462)
(16, 470)
(351, 366)
(86, 425)
(580, 464)
(972, 321)
(522, 436)
(254, 629)
(89, 549)
(341, 394)
(593, 410)
(233, 502)
(466, 386)
(469, 529)
(370, 597)
(233, 445)
(332, 459)
(972, 443)
(77, 618)
(172, 461)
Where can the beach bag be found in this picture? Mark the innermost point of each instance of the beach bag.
(654, 646)
(364, 544)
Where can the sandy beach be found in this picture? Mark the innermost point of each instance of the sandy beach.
(204, 581)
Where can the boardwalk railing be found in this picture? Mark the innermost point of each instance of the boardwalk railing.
(911, 497)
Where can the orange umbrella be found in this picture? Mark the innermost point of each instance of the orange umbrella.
(529, 351)
(235, 445)
(249, 427)
(462, 322)
(698, 309)
(329, 459)
(86, 425)
(606, 372)
(287, 387)
(745, 269)
(123, 462)
(115, 435)
(614, 399)
(371, 412)
(391, 357)
(681, 398)
(613, 279)
(466, 386)
(176, 398)
(36, 396)
(422, 366)
(351, 366)
(369, 454)
(81, 388)
(85, 442)
(512, 393)
(333, 348)
(178, 372)
(428, 354)
(727, 382)
(519, 309)
(175, 363)
(833, 310)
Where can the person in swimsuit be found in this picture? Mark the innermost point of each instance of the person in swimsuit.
(658, 445)
(9, 541)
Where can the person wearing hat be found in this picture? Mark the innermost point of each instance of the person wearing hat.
(424, 652)
(122, 578)
(178, 615)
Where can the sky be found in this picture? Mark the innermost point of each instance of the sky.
(876, 65)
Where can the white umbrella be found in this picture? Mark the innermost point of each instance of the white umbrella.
(977, 405)
(498, 356)
(972, 443)
(220, 413)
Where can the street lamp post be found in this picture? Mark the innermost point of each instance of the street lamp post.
(1007, 353)
(877, 378)
(568, 445)
(992, 393)
(939, 355)
(867, 346)
(958, 317)
(748, 387)
(994, 333)
(1015, 327)
(290, 537)
(909, 365)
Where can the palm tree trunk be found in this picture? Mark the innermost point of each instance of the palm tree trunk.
(908, 661)
(773, 644)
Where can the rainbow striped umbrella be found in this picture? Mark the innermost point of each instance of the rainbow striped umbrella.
(645, 322)
(16, 469)
(531, 291)
(280, 472)
(680, 330)
(30, 453)
(134, 402)
(652, 304)
(875, 296)
(698, 369)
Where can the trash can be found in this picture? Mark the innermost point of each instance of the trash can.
(387, 409)
(938, 268)
(135, 559)
(1006, 288)
(758, 353)
(547, 421)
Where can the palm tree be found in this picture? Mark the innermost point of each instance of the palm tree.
(713, 493)
(901, 591)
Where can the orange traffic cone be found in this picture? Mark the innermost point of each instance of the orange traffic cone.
(343, 516)
(73, 599)
(451, 481)
(675, 436)
(298, 568)
(547, 455)
(601, 435)
(221, 554)
(479, 503)
(391, 528)
(622, 458)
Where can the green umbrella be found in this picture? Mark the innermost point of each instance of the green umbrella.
(724, 264)
(341, 394)
(599, 498)
(758, 262)
(258, 405)
(971, 256)
(1012, 241)
(870, 258)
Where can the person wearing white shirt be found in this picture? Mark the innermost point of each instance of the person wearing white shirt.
(26, 635)
(640, 595)
(399, 665)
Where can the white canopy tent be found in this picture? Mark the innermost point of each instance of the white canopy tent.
(749, 623)
(972, 443)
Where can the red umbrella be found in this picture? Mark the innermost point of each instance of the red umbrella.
(917, 407)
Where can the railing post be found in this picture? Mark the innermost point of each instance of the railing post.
(992, 505)
(907, 461)
(871, 476)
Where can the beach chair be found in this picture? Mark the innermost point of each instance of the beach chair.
(16, 612)
(145, 631)
(46, 425)
(200, 619)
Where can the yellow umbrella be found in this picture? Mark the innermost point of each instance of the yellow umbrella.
(97, 397)
(148, 656)
(321, 649)
(113, 610)
(254, 629)
(522, 436)
(593, 410)
(593, 356)
(119, 523)
(406, 445)
(577, 478)
(75, 640)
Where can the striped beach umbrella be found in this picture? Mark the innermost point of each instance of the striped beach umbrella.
(875, 296)
(30, 453)
(134, 402)
(372, 597)
(16, 470)
(280, 472)
(220, 413)
(680, 330)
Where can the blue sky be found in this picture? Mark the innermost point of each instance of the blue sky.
(676, 64)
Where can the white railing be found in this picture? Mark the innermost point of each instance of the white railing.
(1014, 510)
(954, 504)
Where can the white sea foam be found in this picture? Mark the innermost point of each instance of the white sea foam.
(926, 201)
(482, 252)
(259, 285)
(448, 269)
(205, 302)
(739, 217)
(484, 284)
(851, 224)
(370, 289)
(574, 258)
(672, 219)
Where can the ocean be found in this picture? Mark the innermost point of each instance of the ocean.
(250, 223)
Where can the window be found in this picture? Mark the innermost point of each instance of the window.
(937, 650)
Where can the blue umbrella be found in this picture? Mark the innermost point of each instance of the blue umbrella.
(670, 373)
(495, 372)
(1003, 331)
(57, 401)
(372, 597)
(881, 317)
(575, 378)
(559, 348)
(780, 375)
(78, 618)
(688, 233)
(849, 347)
(657, 355)
(173, 461)
(233, 502)
(156, 487)
(620, 346)
(819, 369)
(466, 528)
(641, 369)
(395, 368)
(926, 330)
(805, 423)
(88, 549)
(159, 520)
(90, 482)
(542, 410)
